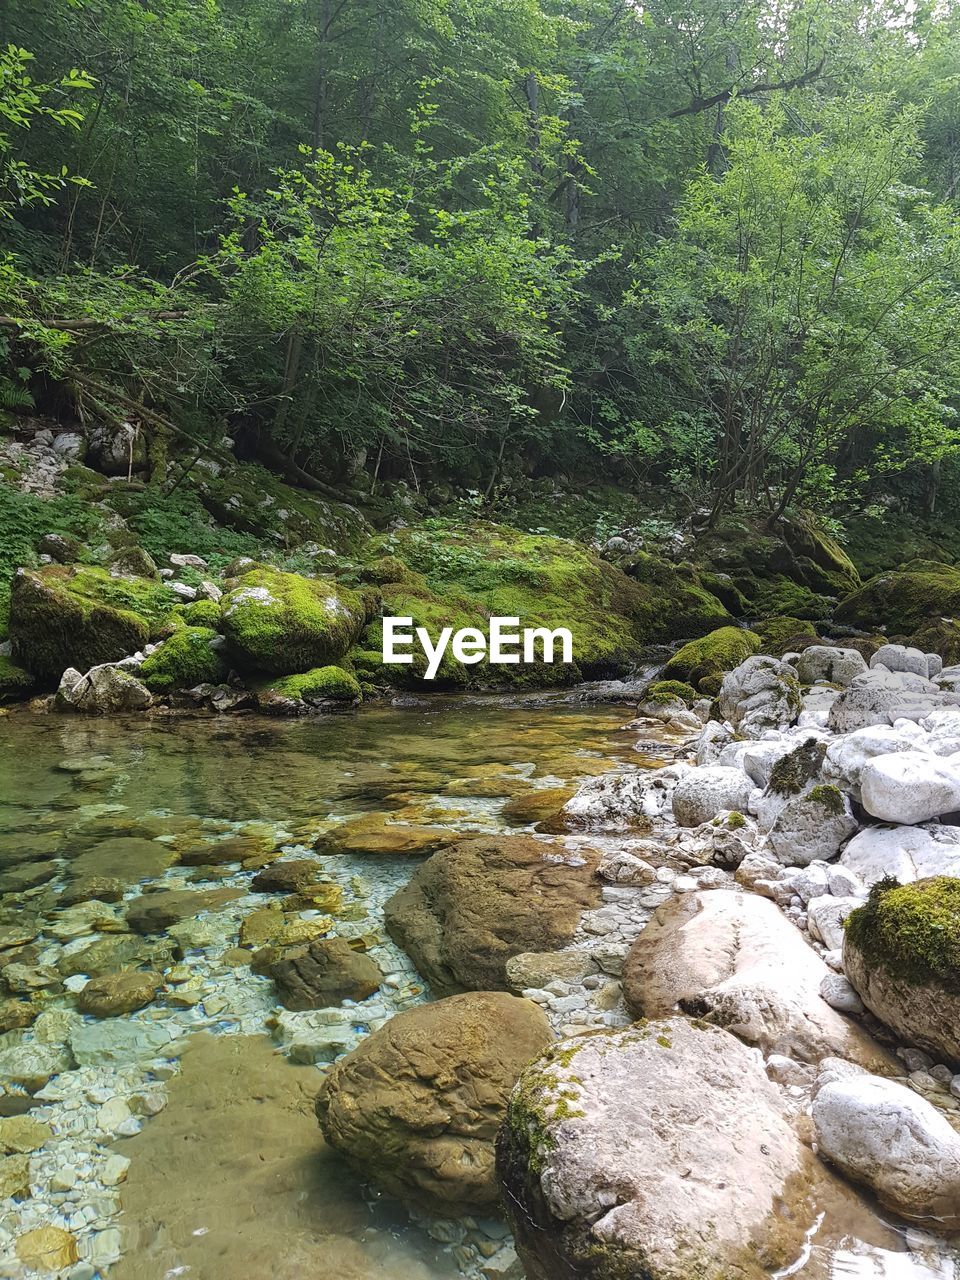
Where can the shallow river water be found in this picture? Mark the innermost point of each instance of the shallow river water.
(180, 1140)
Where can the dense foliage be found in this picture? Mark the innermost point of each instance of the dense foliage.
(707, 243)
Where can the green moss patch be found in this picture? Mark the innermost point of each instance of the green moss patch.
(201, 613)
(77, 616)
(322, 684)
(777, 635)
(464, 574)
(14, 681)
(718, 652)
(911, 931)
(905, 602)
(281, 623)
(672, 689)
(183, 661)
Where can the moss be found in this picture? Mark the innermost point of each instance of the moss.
(540, 1098)
(133, 560)
(710, 685)
(942, 637)
(463, 574)
(735, 820)
(911, 931)
(792, 772)
(76, 616)
(727, 592)
(777, 635)
(720, 651)
(905, 602)
(182, 661)
(201, 613)
(385, 569)
(281, 623)
(782, 596)
(672, 689)
(322, 684)
(14, 681)
(829, 797)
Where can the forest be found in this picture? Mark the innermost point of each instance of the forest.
(708, 246)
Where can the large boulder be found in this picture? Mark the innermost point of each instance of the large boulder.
(324, 972)
(712, 655)
(15, 683)
(761, 694)
(811, 827)
(659, 1151)
(417, 1105)
(910, 786)
(620, 800)
(882, 1134)
(734, 959)
(188, 658)
(847, 756)
(902, 954)
(899, 657)
(903, 853)
(472, 906)
(903, 602)
(281, 623)
(822, 664)
(703, 793)
(105, 690)
(76, 616)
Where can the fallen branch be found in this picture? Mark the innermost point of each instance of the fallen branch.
(82, 323)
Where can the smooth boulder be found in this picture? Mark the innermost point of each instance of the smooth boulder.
(472, 906)
(658, 1151)
(702, 793)
(761, 694)
(417, 1105)
(903, 853)
(734, 959)
(325, 972)
(901, 951)
(812, 827)
(822, 664)
(885, 1136)
(910, 786)
(104, 690)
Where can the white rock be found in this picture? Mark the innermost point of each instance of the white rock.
(104, 690)
(825, 917)
(620, 800)
(188, 562)
(847, 756)
(184, 591)
(897, 657)
(712, 740)
(812, 827)
(703, 793)
(208, 590)
(839, 994)
(825, 665)
(759, 695)
(910, 786)
(903, 853)
(886, 1136)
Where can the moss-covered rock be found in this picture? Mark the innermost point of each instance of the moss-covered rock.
(133, 560)
(14, 681)
(782, 635)
(201, 613)
(923, 592)
(942, 637)
(902, 954)
(322, 684)
(182, 661)
(782, 596)
(713, 654)
(460, 575)
(281, 623)
(77, 616)
(666, 689)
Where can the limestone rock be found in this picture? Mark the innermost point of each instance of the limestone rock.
(901, 952)
(847, 756)
(323, 973)
(417, 1105)
(14, 1176)
(812, 827)
(703, 793)
(826, 665)
(154, 912)
(103, 691)
(621, 800)
(657, 1151)
(471, 907)
(47, 1249)
(761, 694)
(734, 959)
(887, 1137)
(910, 786)
(21, 1134)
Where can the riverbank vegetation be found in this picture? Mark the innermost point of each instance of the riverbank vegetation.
(710, 246)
